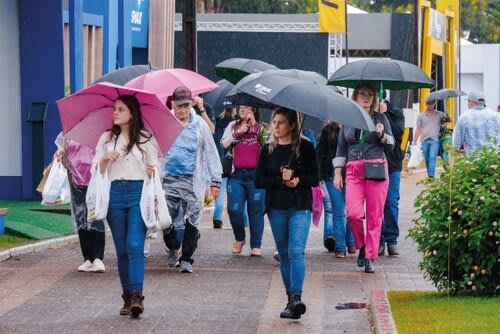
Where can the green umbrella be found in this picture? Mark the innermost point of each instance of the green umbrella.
(235, 69)
(381, 74)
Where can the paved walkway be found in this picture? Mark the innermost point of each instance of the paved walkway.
(42, 292)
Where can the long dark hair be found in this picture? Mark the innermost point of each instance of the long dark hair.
(293, 121)
(136, 129)
(333, 129)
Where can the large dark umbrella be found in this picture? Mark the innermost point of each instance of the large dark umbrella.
(217, 97)
(305, 97)
(381, 74)
(235, 69)
(289, 73)
(123, 75)
(443, 94)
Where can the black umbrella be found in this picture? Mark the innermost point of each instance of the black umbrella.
(235, 69)
(305, 97)
(289, 73)
(381, 74)
(123, 75)
(443, 94)
(217, 97)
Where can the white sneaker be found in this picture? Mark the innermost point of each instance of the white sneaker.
(98, 266)
(86, 266)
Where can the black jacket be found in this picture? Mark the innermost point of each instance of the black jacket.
(268, 176)
(397, 121)
(325, 154)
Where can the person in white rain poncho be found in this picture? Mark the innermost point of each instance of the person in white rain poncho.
(191, 156)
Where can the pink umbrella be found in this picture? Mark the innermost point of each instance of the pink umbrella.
(164, 82)
(86, 114)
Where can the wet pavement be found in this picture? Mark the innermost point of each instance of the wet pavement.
(42, 292)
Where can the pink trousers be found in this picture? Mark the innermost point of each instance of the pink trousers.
(361, 193)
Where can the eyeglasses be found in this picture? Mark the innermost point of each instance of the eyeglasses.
(369, 95)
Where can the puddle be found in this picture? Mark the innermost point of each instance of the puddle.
(350, 306)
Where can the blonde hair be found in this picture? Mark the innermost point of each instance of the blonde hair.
(374, 104)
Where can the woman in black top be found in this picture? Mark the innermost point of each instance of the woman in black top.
(287, 169)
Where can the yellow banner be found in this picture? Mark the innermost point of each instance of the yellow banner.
(332, 15)
(452, 6)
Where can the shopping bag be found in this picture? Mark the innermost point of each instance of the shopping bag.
(317, 195)
(56, 188)
(154, 209)
(97, 198)
(45, 176)
(416, 156)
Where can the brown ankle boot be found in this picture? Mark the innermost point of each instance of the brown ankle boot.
(136, 306)
(127, 298)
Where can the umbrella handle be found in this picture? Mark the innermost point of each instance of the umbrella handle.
(381, 91)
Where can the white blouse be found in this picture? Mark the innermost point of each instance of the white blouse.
(128, 166)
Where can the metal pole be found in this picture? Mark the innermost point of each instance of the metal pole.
(189, 35)
(346, 43)
(415, 43)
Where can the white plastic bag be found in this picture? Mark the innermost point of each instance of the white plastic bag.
(154, 209)
(56, 189)
(97, 198)
(416, 156)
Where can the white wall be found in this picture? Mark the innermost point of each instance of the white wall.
(10, 95)
(480, 70)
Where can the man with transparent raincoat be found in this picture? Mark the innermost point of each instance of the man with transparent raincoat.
(190, 158)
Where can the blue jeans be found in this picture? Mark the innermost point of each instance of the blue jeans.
(337, 226)
(430, 148)
(390, 227)
(241, 189)
(219, 201)
(128, 231)
(290, 229)
(219, 204)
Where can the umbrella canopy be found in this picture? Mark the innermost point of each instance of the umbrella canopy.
(125, 74)
(306, 97)
(217, 97)
(382, 74)
(164, 82)
(443, 94)
(289, 73)
(235, 69)
(86, 114)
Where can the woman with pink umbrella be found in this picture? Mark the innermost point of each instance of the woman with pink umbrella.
(128, 153)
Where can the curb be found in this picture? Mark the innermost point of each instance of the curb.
(38, 246)
(381, 313)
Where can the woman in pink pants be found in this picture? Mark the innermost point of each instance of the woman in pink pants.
(355, 148)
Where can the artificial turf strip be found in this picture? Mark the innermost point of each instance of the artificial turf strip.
(23, 220)
(425, 312)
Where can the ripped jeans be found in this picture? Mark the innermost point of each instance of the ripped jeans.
(240, 190)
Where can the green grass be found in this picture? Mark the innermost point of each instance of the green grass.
(24, 219)
(430, 312)
(8, 241)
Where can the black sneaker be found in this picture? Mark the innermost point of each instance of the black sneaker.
(329, 244)
(218, 224)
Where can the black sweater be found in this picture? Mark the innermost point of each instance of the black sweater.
(268, 176)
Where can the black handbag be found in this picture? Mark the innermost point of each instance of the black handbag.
(227, 164)
(374, 171)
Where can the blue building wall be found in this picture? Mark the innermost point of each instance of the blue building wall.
(42, 78)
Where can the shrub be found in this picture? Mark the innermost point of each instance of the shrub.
(459, 225)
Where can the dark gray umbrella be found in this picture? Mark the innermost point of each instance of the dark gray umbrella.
(235, 69)
(381, 74)
(305, 97)
(443, 94)
(123, 75)
(289, 73)
(217, 97)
